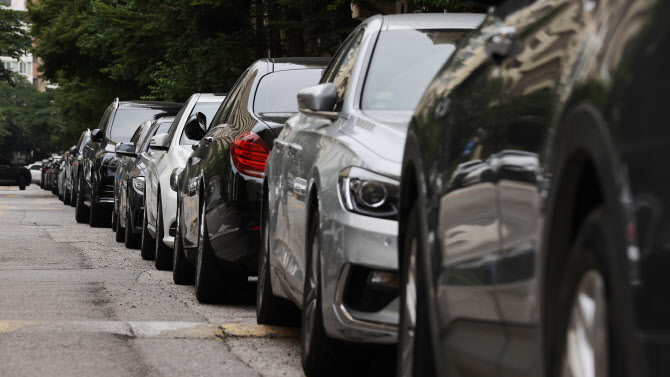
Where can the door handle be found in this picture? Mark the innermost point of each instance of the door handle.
(279, 143)
(503, 45)
(294, 148)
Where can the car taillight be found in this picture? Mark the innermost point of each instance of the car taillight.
(250, 154)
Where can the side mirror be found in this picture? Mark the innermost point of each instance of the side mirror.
(96, 135)
(73, 150)
(318, 101)
(160, 142)
(196, 126)
(126, 149)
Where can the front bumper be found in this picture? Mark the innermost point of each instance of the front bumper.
(353, 247)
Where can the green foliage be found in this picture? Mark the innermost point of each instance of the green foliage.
(14, 38)
(29, 120)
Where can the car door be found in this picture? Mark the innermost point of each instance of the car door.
(547, 46)
(302, 145)
(461, 268)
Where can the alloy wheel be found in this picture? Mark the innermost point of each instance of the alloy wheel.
(586, 340)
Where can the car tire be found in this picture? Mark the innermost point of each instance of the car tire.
(114, 220)
(582, 305)
(81, 213)
(147, 246)
(183, 272)
(99, 217)
(270, 309)
(66, 198)
(163, 258)
(213, 284)
(120, 234)
(132, 240)
(320, 355)
(22, 183)
(414, 352)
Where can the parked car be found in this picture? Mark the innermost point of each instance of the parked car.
(35, 172)
(558, 264)
(51, 174)
(330, 205)
(171, 150)
(130, 182)
(43, 179)
(221, 192)
(73, 182)
(13, 175)
(117, 125)
(60, 177)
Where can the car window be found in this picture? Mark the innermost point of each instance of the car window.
(179, 115)
(137, 134)
(277, 92)
(4, 161)
(163, 127)
(341, 71)
(209, 109)
(126, 122)
(404, 62)
(228, 103)
(105, 119)
(36, 167)
(238, 110)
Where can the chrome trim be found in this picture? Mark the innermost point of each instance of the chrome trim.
(346, 318)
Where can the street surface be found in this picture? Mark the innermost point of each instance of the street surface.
(73, 302)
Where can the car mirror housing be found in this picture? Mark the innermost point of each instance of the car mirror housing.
(73, 149)
(96, 135)
(196, 126)
(160, 142)
(319, 101)
(126, 149)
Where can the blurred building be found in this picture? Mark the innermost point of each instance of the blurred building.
(27, 65)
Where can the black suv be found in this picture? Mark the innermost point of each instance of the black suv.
(534, 198)
(117, 125)
(12, 175)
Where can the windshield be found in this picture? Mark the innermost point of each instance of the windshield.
(126, 122)
(403, 64)
(209, 110)
(278, 92)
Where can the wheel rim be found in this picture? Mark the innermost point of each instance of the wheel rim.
(586, 352)
(408, 326)
(311, 297)
(177, 241)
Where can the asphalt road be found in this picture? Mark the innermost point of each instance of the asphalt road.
(73, 302)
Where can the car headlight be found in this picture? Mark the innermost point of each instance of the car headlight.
(138, 183)
(367, 193)
(174, 179)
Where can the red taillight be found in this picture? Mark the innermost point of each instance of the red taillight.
(250, 154)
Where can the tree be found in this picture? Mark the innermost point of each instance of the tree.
(29, 120)
(14, 38)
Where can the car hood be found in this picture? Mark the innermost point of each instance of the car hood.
(381, 131)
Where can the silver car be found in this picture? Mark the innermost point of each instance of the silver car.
(329, 219)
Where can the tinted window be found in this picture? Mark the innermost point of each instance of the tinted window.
(209, 110)
(36, 167)
(163, 128)
(105, 119)
(126, 122)
(341, 73)
(227, 105)
(277, 92)
(403, 64)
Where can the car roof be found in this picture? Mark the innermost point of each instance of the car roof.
(211, 97)
(431, 21)
(285, 64)
(149, 105)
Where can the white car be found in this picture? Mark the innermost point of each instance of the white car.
(170, 152)
(35, 172)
